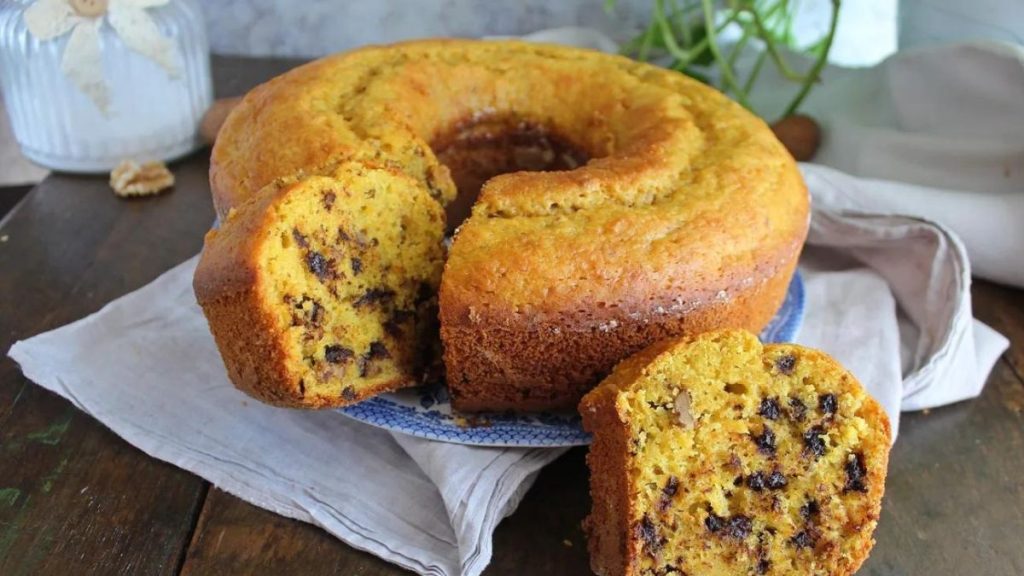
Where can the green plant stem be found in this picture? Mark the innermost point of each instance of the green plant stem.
(770, 21)
(738, 47)
(727, 74)
(645, 46)
(818, 65)
(685, 56)
(754, 72)
(679, 16)
(773, 50)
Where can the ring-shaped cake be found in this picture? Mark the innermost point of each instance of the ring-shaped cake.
(619, 204)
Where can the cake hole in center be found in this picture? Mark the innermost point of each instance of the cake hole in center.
(480, 149)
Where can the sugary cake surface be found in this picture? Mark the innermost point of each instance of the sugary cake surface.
(718, 456)
(320, 291)
(622, 203)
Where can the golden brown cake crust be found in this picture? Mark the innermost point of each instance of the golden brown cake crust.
(619, 537)
(532, 371)
(689, 215)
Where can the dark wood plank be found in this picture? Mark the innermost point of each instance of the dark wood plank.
(72, 493)
(234, 537)
(1002, 308)
(233, 76)
(545, 535)
(10, 196)
(954, 499)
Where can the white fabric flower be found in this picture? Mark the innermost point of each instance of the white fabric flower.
(82, 61)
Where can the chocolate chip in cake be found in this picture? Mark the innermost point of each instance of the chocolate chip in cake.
(769, 408)
(328, 199)
(809, 510)
(758, 481)
(786, 363)
(424, 293)
(814, 441)
(299, 238)
(336, 354)
(373, 296)
(765, 442)
(319, 265)
(763, 565)
(802, 540)
(377, 350)
(797, 409)
(739, 527)
(348, 393)
(672, 570)
(828, 404)
(776, 480)
(714, 523)
(394, 324)
(357, 266)
(648, 533)
(667, 493)
(856, 473)
(316, 313)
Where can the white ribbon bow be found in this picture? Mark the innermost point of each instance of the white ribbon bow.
(81, 61)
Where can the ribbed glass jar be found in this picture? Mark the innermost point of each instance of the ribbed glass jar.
(151, 115)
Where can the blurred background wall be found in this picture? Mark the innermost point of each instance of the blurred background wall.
(307, 28)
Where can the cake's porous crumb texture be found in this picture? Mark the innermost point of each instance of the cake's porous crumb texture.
(314, 288)
(717, 497)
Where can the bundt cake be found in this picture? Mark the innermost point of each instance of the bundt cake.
(720, 456)
(621, 203)
(321, 291)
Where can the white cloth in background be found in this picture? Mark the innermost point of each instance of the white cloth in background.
(934, 132)
(886, 294)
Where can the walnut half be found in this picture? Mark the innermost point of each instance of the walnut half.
(683, 410)
(132, 179)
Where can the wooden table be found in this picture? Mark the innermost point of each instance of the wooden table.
(74, 498)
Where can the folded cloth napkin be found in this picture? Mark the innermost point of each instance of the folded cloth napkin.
(886, 294)
(948, 123)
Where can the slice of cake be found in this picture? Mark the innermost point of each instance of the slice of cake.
(320, 291)
(720, 456)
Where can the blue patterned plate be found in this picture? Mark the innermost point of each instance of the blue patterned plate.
(425, 411)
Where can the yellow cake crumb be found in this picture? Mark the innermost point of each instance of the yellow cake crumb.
(778, 467)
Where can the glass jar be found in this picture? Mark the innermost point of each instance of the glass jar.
(151, 114)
